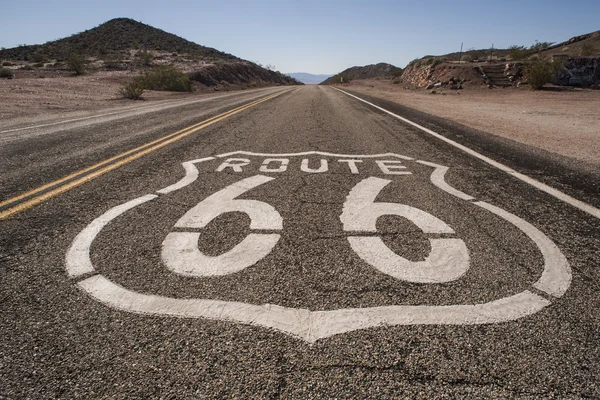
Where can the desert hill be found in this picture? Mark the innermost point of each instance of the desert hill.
(116, 35)
(373, 71)
(123, 44)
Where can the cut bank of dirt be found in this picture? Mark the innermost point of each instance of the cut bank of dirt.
(562, 122)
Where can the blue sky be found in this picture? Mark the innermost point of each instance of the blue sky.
(316, 36)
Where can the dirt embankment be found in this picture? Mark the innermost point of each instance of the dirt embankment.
(562, 121)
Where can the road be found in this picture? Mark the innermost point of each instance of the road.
(292, 242)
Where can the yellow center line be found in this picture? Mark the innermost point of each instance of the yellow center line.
(137, 153)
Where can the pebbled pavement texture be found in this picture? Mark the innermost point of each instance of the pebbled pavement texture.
(59, 342)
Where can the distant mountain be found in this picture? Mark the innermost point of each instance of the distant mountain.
(116, 35)
(308, 79)
(381, 70)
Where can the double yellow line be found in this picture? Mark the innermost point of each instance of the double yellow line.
(41, 194)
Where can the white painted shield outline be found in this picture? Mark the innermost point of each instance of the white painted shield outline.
(314, 325)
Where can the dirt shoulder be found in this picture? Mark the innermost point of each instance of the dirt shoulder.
(42, 95)
(561, 122)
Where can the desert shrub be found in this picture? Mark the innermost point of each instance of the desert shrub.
(26, 67)
(145, 57)
(224, 83)
(76, 63)
(438, 61)
(429, 61)
(587, 49)
(38, 65)
(517, 52)
(466, 58)
(6, 73)
(132, 91)
(539, 46)
(539, 72)
(7, 64)
(165, 78)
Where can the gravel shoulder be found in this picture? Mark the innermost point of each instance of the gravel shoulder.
(37, 97)
(561, 122)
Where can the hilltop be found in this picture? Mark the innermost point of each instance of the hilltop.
(373, 71)
(123, 44)
(114, 36)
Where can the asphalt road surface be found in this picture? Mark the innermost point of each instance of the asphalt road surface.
(293, 242)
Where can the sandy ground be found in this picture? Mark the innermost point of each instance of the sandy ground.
(35, 96)
(562, 122)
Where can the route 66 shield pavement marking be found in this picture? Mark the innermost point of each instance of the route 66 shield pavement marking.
(447, 261)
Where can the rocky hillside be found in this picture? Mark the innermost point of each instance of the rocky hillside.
(240, 73)
(123, 44)
(114, 36)
(381, 70)
(582, 45)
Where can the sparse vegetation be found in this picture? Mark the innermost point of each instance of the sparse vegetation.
(7, 64)
(145, 57)
(37, 58)
(438, 60)
(132, 91)
(6, 73)
(539, 71)
(539, 46)
(517, 52)
(38, 65)
(163, 78)
(76, 64)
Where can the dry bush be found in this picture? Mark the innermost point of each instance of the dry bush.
(6, 73)
(132, 91)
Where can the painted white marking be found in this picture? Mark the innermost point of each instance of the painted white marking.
(360, 211)
(323, 167)
(180, 251)
(556, 277)
(391, 167)
(78, 260)
(262, 215)
(352, 165)
(537, 184)
(313, 325)
(283, 164)
(317, 153)
(181, 255)
(447, 261)
(191, 174)
(234, 163)
(438, 179)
